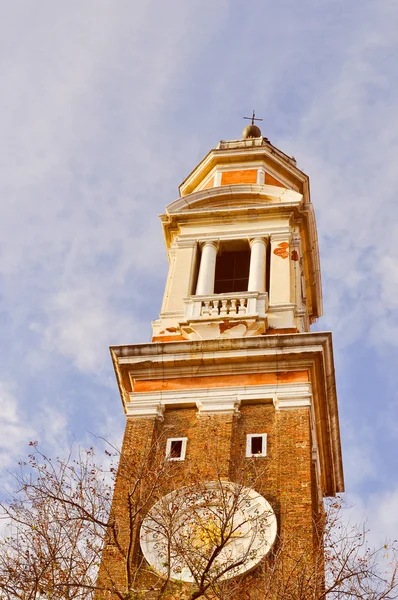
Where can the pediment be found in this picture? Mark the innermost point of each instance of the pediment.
(235, 196)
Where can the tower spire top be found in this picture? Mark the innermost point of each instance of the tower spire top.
(252, 131)
(253, 117)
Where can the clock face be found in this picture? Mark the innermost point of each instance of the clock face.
(220, 529)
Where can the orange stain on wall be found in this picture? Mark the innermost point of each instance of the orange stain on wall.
(282, 250)
(269, 180)
(245, 176)
(168, 338)
(216, 381)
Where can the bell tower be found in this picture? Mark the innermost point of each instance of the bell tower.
(234, 391)
(242, 247)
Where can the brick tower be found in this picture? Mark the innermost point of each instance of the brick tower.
(234, 392)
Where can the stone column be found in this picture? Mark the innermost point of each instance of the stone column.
(257, 265)
(207, 269)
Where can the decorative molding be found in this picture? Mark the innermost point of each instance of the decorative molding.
(239, 234)
(264, 239)
(225, 400)
(163, 359)
(209, 242)
(264, 191)
(288, 402)
(282, 307)
(281, 236)
(240, 166)
(181, 242)
(248, 143)
(218, 400)
(218, 405)
(142, 410)
(169, 314)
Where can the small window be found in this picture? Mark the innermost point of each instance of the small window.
(176, 448)
(256, 444)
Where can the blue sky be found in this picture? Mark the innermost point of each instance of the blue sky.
(105, 107)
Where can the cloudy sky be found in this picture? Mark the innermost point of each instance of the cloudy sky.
(105, 107)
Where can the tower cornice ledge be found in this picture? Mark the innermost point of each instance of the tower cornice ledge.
(200, 201)
(311, 353)
(239, 151)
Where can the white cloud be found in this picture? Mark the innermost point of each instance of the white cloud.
(348, 142)
(378, 513)
(15, 430)
(82, 165)
(19, 425)
(81, 326)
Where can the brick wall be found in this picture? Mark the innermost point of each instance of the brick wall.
(136, 458)
(216, 448)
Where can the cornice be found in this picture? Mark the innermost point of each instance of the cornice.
(281, 343)
(220, 400)
(262, 232)
(253, 190)
(277, 353)
(240, 153)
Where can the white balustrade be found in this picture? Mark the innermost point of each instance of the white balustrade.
(231, 305)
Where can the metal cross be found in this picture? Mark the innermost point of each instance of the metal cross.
(253, 118)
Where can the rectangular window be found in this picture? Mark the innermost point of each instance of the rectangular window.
(176, 448)
(232, 271)
(256, 444)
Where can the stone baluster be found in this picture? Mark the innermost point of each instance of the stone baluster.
(206, 307)
(214, 311)
(242, 306)
(224, 307)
